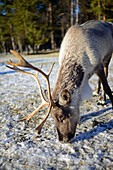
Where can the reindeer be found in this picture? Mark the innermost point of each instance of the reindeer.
(84, 51)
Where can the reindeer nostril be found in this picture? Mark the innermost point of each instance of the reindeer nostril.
(70, 136)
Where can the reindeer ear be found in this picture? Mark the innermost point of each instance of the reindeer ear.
(64, 98)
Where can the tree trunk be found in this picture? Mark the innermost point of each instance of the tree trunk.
(104, 17)
(19, 45)
(37, 48)
(77, 8)
(3, 45)
(51, 22)
(12, 37)
(4, 48)
(62, 28)
(13, 42)
(99, 9)
(71, 12)
(30, 49)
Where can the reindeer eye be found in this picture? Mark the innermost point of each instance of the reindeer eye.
(68, 115)
(61, 117)
(64, 97)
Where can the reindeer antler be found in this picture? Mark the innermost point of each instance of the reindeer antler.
(23, 63)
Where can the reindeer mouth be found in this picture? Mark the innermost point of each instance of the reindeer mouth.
(65, 138)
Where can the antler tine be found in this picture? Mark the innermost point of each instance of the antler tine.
(44, 102)
(48, 85)
(41, 93)
(51, 69)
(39, 127)
(34, 112)
(35, 76)
(19, 70)
(22, 62)
(40, 69)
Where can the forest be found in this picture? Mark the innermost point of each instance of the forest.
(33, 25)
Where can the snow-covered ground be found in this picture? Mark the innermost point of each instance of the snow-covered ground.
(92, 147)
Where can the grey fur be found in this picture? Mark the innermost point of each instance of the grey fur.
(84, 47)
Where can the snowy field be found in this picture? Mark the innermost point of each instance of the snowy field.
(92, 147)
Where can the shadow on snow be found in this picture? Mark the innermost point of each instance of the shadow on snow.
(94, 131)
(93, 114)
(9, 72)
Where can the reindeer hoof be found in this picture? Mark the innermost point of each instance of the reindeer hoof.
(95, 93)
(101, 102)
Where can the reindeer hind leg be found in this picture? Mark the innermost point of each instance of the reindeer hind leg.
(105, 64)
(100, 72)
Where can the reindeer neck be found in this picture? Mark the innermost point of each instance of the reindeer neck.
(69, 77)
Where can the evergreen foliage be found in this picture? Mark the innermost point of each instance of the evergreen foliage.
(29, 25)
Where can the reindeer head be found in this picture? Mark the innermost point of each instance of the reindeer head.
(67, 98)
(65, 115)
